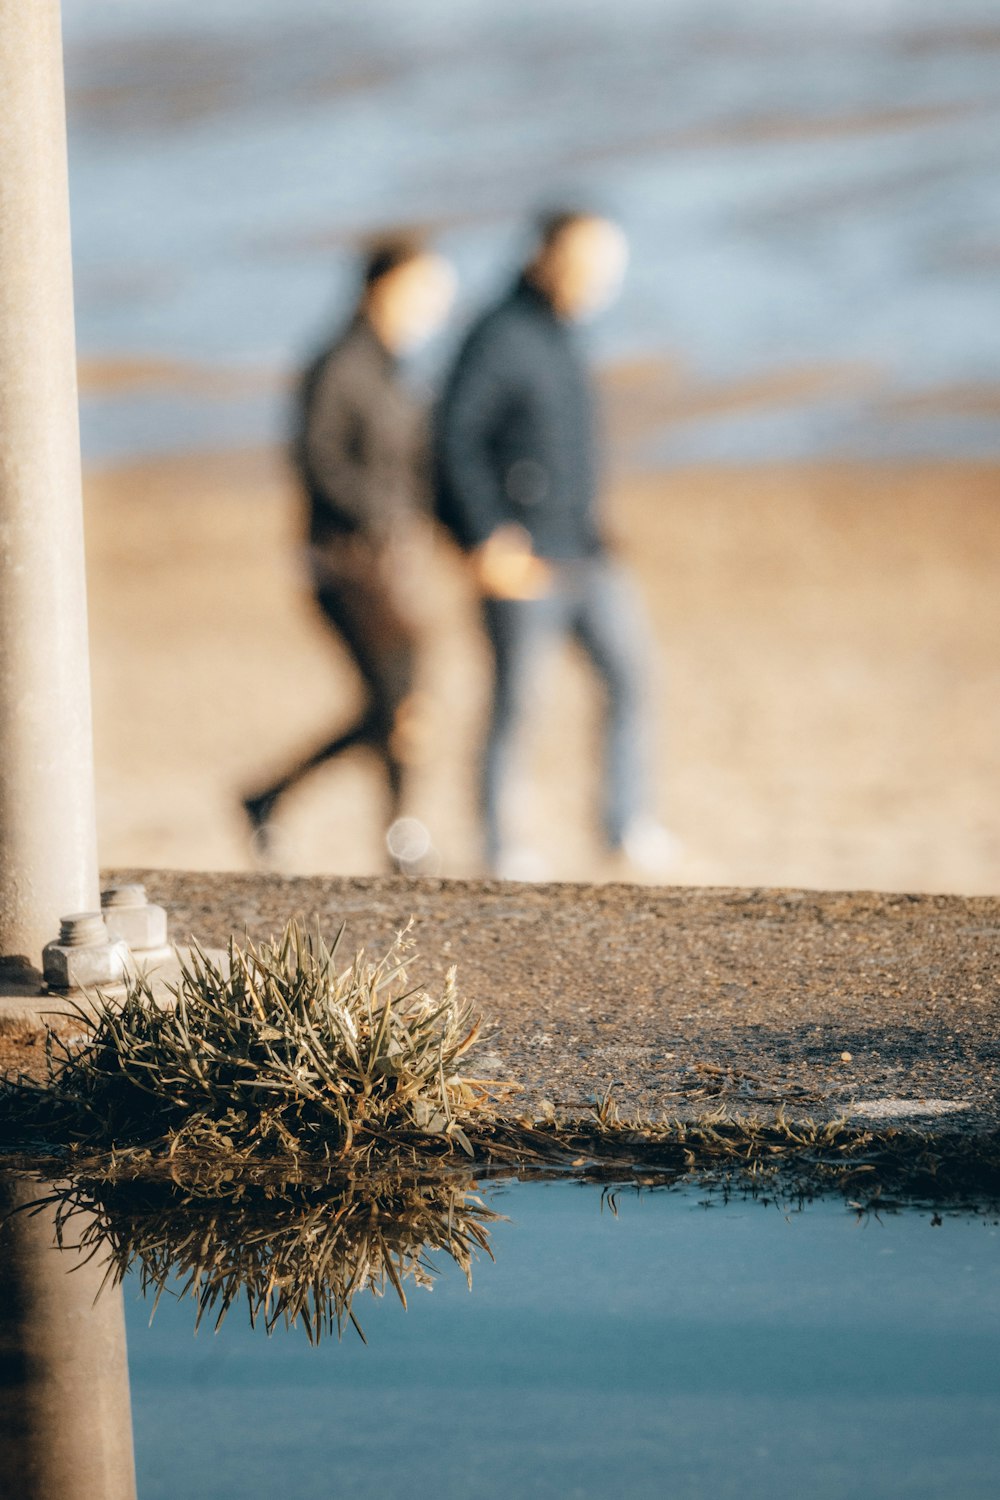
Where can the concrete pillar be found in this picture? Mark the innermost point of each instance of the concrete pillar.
(48, 846)
(65, 1413)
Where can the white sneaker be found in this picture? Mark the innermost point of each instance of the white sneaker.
(411, 848)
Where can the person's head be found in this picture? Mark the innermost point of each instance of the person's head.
(579, 262)
(407, 291)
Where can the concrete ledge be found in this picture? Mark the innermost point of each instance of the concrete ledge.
(25, 1010)
(881, 1007)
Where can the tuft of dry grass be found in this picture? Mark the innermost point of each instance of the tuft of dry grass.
(279, 1051)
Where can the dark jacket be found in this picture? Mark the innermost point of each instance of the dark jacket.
(514, 435)
(358, 444)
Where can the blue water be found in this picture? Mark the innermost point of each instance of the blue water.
(674, 1351)
(804, 184)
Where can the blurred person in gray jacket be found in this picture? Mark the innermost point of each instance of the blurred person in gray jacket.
(517, 477)
(360, 453)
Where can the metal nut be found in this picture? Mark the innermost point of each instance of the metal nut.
(131, 919)
(84, 956)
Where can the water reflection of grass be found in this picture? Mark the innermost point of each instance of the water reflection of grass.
(297, 1247)
(295, 1252)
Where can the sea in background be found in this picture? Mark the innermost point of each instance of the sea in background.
(812, 191)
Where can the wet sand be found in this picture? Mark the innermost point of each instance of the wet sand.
(828, 678)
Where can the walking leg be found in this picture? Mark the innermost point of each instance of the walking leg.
(609, 626)
(383, 649)
(517, 629)
(260, 807)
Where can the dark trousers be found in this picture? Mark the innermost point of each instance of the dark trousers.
(593, 603)
(382, 642)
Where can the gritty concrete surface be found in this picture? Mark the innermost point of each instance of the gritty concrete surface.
(882, 1007)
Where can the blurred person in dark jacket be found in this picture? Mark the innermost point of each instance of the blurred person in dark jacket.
(517, 479)
(360, 450)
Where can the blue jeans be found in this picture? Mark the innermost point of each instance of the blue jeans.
(593, 603)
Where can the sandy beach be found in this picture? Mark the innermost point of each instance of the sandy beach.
(827, 678)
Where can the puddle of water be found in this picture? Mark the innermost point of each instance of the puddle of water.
(641, 1344)
(671, 1351)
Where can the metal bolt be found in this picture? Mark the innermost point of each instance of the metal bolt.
(124, 895)
(83, 929)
